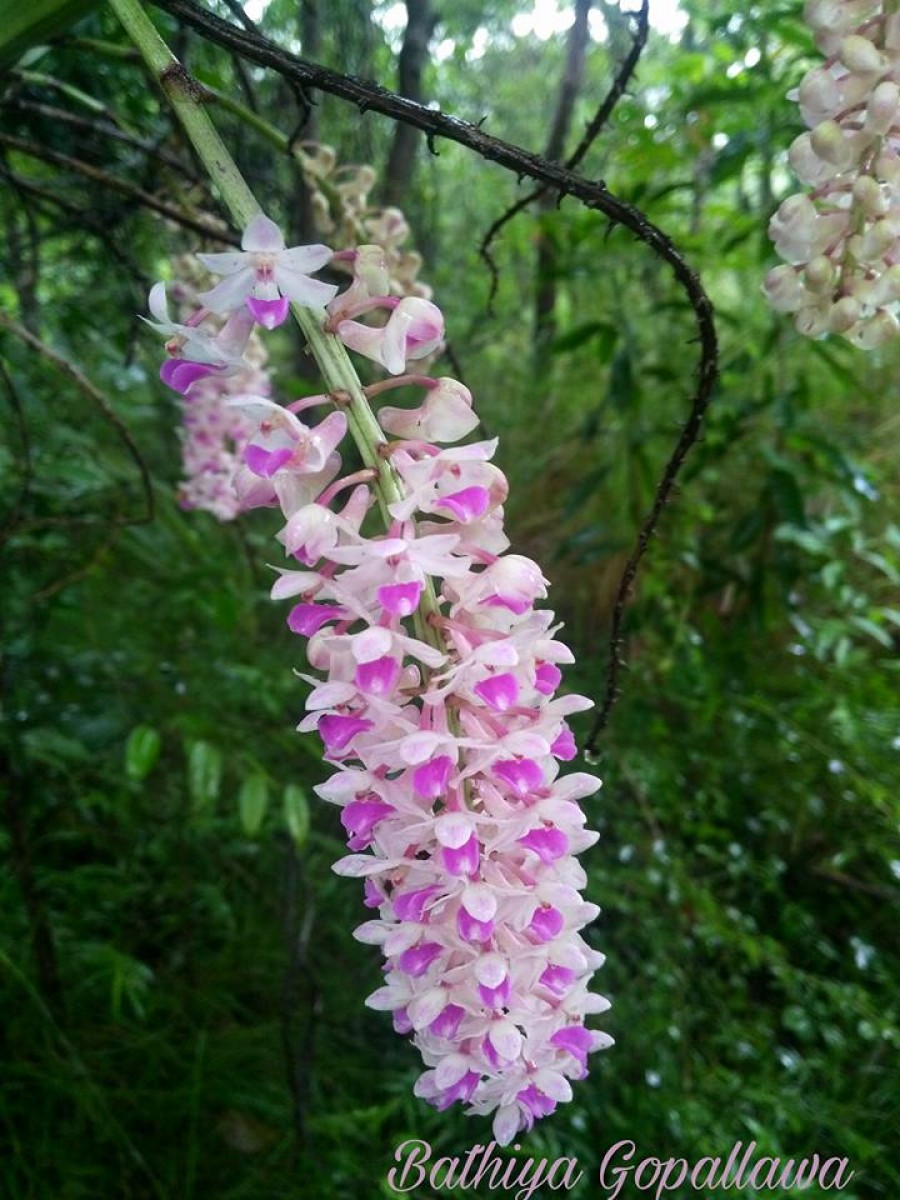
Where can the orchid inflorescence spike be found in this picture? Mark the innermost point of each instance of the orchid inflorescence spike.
(434, 693)
(841, 239)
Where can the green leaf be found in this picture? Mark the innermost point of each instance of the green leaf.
(47, 745)
(253, 801)
(604, 332)
(788, 497)
(621, 389)
(874, 631)
(23, 25)
(141, 752)
(204, 774)
(296, 813)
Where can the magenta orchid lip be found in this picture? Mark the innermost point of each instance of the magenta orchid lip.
(435, 695)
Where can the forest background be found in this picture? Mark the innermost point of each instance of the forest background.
(181, 990)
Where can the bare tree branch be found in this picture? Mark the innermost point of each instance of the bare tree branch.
(62, 116)
(573, 75)
(115, 184)
(237, 10)
(420, 25)
(78, 220)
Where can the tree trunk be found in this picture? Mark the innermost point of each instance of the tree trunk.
(573, 77)
(420, 25)
(311, 41)
(300, 219)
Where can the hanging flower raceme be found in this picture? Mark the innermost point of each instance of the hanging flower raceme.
(841, 240)
(435, 697)
(212, 361)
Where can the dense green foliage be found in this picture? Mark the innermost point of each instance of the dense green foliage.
(182, 994)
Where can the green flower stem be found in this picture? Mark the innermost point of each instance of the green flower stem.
(186, 98)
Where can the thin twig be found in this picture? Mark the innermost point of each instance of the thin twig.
(15, 400)
(97, 398)
(304, 101)
(115, 184)
(108, 130)
(595, 126)
(841, 878)
(689, 434)
(237, 10)
(619, 86)
(80, 220)
(97, 554)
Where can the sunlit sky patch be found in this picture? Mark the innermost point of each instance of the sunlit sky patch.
(544, 19)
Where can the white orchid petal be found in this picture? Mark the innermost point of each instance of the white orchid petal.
(230, 293)
(393, 347)
(158, 304)
(305, 259)
(300, 289)
(224, 264)
(262, 236)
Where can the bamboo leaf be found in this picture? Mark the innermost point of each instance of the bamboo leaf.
(25, 25)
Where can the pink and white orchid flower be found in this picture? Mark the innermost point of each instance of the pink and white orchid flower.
(414, 330)
(266, 276)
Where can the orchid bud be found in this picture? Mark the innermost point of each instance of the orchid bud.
(881, 329)
(820, 274)
(819, 95)
(887, 166)
(812, 322)
(784, 289)
(870, 196)
(886, 290)
(832, 145)
(371, 270)
(844, 314)
(881, 111)
(874, 244)
(806, 164)
(793, 228)
(859, 54)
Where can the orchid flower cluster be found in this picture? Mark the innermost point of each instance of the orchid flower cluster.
(214, 433)
(342, 213)
(434, 693)
(841, 240)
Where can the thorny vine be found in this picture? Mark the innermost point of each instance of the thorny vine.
(557, 177)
